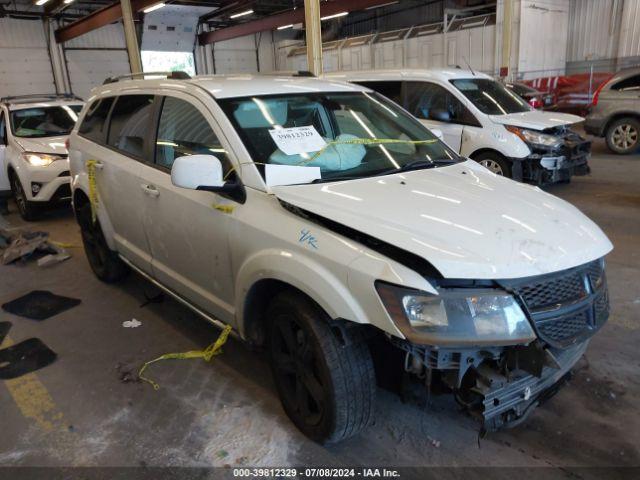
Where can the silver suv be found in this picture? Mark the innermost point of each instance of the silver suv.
(615, 112)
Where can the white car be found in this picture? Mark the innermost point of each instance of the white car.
(323, 222)
(34, 167)
(482, 120)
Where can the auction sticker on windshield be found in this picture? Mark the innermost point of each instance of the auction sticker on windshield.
(298, 140)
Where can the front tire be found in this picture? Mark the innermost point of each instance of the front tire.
(326, 383)
(623, 135)
(494, 162)
(27, 209)
(104, 262)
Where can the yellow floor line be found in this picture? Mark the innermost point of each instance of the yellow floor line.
(34, 400)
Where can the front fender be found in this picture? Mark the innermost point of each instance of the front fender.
(323, 286)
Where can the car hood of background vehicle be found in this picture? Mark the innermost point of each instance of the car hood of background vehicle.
(51, 145)
(463, 219)
(536, 119)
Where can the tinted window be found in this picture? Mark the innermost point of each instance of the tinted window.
(44, 121)
(3, 130)
(491, 97)
(94, 124)
(631, 83)
(391, 90)
(130, 123)
(425, 100)
(183, 130)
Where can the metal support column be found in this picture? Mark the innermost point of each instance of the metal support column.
(505, 64)
(131, 37)
(313, 35)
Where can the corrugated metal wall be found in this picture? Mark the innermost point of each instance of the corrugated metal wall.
(629, 43)
(25, 67)
(95, 56)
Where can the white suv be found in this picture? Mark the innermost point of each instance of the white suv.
(33, 155)
(322, 221)
(482, 120)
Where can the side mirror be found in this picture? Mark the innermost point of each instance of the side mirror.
(440, 114)
(437, 132)
(197, 172)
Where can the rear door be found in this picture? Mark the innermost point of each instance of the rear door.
(625, 93)
(119, 145)
(4, 178)
(188, 236)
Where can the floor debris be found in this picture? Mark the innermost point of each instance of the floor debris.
(133, 323)
(24, 244)
(40, 305)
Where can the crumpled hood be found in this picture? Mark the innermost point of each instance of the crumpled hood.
(51, 145)
(536, 119)
(463, 219)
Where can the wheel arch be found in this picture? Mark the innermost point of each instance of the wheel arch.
(80, 198)
(618, 116)
(482, 150)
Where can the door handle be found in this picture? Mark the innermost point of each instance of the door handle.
(150, 190)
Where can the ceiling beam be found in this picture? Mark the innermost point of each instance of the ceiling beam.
(286, 18)
(99, 18)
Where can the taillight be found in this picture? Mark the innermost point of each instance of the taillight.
(67, 144)
(596, 94)
(535, 102)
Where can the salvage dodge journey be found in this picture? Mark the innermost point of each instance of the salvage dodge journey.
(325, 224)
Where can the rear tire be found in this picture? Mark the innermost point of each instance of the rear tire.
(623, 135)
(494, 162)
(27, 210)
(327, 386)
(105, 263)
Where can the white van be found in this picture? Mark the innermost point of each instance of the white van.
(34, 166)
(482, 120)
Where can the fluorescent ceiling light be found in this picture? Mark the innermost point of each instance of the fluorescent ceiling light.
(67, 2)
(382, 5)
(155, 7)
(241, 14)
(41, 2)
(335, 15)
(283, 27)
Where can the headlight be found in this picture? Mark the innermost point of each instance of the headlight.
(40, 159)
(457, 316)
(537, 138)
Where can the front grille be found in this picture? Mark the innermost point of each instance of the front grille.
(568, 306)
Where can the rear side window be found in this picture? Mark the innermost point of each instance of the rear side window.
(183, 130)
(3, 129)
(391, 90)
(130, 124)
(631, 83)
(94, 124)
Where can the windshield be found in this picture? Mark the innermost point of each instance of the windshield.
(44, 121)
(491, 97)
(346, 135)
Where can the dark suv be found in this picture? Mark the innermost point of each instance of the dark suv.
(615, 112)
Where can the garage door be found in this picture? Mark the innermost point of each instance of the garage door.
(25, 67)
(89, 68)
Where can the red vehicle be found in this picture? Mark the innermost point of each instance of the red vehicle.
(535, 98)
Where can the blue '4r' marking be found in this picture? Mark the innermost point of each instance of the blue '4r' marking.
(306, 237)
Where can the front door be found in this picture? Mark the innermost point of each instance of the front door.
(437, 108)
(188, 236)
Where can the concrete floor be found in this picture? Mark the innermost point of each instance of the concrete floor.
(82, 410)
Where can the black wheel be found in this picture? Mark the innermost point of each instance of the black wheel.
(326, 383)
(27, 210)
(495, 163)
(104, 262)
(623, 135)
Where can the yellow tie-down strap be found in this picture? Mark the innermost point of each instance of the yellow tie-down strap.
(207, 354)
(93, 188)
(367, 141)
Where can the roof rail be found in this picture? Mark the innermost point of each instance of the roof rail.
(33, 98)
(178, 75)
(288, 73)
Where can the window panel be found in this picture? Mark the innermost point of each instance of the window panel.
(130, 123)
(94, 124)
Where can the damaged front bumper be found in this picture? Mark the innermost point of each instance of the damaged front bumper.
(554, 164)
